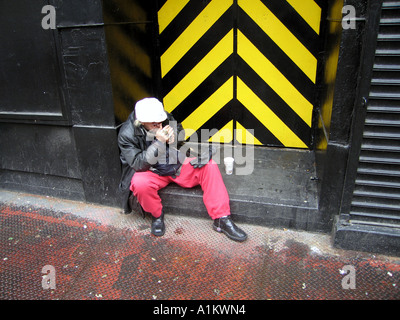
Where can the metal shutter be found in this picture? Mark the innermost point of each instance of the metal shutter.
(376, 198)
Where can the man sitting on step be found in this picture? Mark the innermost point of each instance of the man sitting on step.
(150, 162)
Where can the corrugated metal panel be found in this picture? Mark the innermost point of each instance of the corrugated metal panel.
(376, 198)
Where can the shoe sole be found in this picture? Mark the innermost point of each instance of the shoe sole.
(228, 235)
(158, 234)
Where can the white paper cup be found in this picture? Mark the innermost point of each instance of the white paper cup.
(228, 161)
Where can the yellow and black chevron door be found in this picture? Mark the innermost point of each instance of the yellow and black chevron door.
(236, 65)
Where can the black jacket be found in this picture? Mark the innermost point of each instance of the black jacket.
(138, 153)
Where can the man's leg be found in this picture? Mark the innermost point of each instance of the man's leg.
(215, 196)
(145, 187)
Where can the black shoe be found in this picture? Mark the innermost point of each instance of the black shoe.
(158, 226)
(227, 226)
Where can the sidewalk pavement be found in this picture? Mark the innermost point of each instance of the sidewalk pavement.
(60, 249)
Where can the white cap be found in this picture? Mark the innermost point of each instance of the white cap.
(150, 110)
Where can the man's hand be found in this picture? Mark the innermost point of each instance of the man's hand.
(166, 134)
(203, 158)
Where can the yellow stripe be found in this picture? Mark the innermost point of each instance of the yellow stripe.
(277, 31)
(127, 82)
(121, 110)
(209, 108)
(269, 119)
(309, 10)
(225, 135)
(169, 11)
(274, 78)
(244, 136)
(200, 72)
(130, 50)
(193, 33)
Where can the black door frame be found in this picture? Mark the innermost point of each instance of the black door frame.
(361, 102)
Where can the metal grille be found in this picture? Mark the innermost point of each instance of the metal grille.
(99, 254)
(376, 199)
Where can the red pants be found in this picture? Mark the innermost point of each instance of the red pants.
(145, 186)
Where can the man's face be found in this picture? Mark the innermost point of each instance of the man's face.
(152, 126)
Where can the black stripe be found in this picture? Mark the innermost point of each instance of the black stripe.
(227, 114)
(277, 57)
(159, 4)
(133, 71)
(184, 18)
(128, 65)
(136, 36)
(249, 121)
(295, 23)
(198, 51)
(274, 101)
(321, 3)
(204, 91)
(218, 121)
(127, 100)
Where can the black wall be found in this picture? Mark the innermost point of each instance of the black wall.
(58, 97)
(337, 103)
(57, 124)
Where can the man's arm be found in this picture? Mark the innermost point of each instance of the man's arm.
(132, 154)
(136, 157)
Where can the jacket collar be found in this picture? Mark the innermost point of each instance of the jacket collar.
(138, 131)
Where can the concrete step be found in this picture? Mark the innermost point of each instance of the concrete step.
(269, 187)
